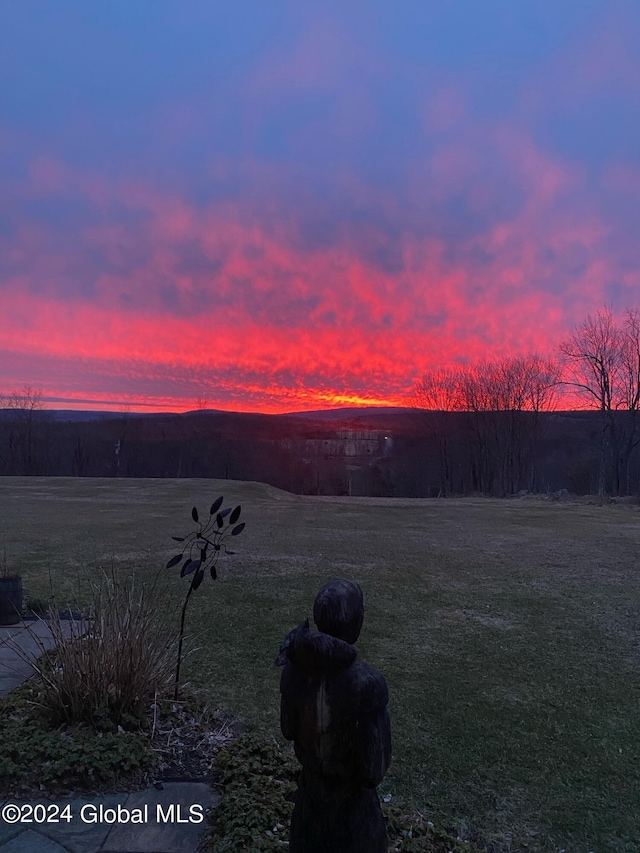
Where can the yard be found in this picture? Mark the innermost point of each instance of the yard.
(508, 631)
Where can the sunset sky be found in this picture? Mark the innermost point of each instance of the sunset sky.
(281, 206)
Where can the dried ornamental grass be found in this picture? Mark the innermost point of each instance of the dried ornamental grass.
(109, 667)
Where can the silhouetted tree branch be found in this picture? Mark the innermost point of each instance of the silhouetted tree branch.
(602, 363)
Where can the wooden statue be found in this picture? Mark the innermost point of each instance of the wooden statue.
(334, 709)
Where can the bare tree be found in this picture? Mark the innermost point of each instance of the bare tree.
(484, 393)
(602, 363)
(630, 392)
(122, 425)
(80, 457)
(532, 382)
(438, 393)
(26, 405)
(543, 381)
(503, 399)
(592, 356)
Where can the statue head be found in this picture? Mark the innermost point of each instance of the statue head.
(339, 609)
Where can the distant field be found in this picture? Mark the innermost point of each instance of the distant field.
(509, 632)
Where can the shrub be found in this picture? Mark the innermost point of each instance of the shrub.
(258, 778)
(108, 667)
(35, 756)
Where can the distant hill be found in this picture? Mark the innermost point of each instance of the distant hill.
(82, 416)
(353, 412)
(347, 413)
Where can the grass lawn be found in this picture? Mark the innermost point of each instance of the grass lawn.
(508, 631)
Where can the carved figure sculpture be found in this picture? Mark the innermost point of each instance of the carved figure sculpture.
(334, 709)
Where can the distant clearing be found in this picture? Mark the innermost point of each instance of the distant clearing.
(509, 632)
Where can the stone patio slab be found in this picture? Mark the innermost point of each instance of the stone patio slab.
(168, 830)
(32, 842)
(32, 638)
(79, 836)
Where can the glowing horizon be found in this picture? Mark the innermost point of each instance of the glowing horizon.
(179, 407)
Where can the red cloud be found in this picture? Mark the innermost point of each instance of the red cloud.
(155, 299)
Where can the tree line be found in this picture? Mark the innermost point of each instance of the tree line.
(597, 367)
(492, 427)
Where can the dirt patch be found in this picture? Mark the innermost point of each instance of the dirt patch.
(187, 745)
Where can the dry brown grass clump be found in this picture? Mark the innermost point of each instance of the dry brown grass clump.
(109, 666)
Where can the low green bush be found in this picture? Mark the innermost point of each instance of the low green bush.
(64, 757)
(258, 780)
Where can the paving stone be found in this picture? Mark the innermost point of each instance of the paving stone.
(78, 835)
(75, 836)
(32, 638)
(7, 831)
(11, 630)
(10, 680)
(178, 834)
(31, 842)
